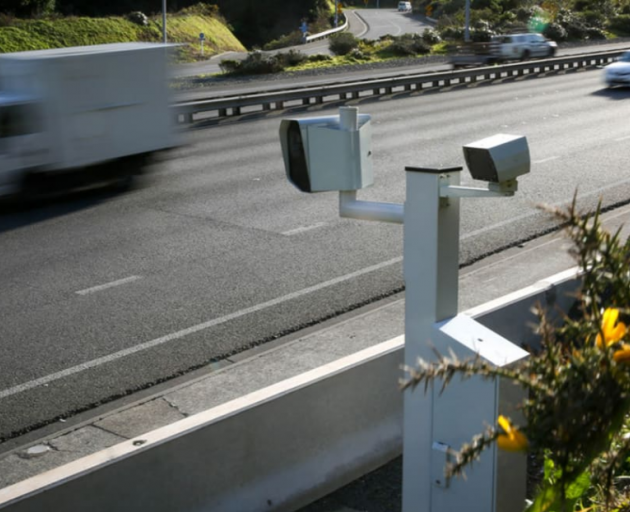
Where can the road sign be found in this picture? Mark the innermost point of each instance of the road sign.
(202, 36)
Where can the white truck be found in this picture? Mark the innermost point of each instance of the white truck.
(83, 115)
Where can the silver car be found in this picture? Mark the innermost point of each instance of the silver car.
(618, 73)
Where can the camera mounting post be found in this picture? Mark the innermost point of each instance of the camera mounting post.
(434, 423)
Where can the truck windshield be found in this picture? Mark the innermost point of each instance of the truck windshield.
(17, 120)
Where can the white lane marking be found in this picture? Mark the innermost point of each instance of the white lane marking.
(302, 229)
(211, 323)
(190, 330)
(622, 138)
(108, 285)
(546, 160)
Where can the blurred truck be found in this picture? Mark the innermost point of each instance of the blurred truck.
(73, 117)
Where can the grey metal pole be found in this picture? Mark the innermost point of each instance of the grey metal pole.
(336, 13)
(467, 28)
(164, 21)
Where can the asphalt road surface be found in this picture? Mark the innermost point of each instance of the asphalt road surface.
(381, 22)
(104, 294)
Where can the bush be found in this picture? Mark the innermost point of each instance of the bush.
(408, 45)
(452, 32)
(482, 32)
(595, 34)
(138, 18)
(576, 404)
(292, 58)
(431, 36)
(295, 38)
(319, 57)
(574, 25)
(256, 63)
(202, 9)
(594, 19)
(357, 54)
(229, 66)
(555, 32)
(620, 24)
(342, 43)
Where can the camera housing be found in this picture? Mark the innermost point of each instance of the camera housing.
(498, 159)
(324, 153)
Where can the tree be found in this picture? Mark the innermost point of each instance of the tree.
(28, 8)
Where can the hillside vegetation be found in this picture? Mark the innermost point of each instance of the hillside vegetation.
(560, 20)
(18, 34)
(253, 22)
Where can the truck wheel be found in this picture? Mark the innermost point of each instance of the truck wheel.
(32, 188)
(525, 55)
(126, 171)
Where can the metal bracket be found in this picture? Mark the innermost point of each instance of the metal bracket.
(503, 189)
(440, 457)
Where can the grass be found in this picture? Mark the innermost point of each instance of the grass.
(20, 35)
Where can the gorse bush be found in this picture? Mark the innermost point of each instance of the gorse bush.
(256, 63)
(342, 43)
(319, 57)
(577, 384)
(431, 36)
(292, 39)
(408, 45)
(292, 58)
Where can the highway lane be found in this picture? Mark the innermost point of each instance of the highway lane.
(381, 22)
(105, 294)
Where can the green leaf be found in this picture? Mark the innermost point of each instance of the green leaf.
(579, 486)
(549, 497)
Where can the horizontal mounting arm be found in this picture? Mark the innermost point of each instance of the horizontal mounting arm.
(352, 208)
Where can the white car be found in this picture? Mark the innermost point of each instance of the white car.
(618, 73)
(404, 6)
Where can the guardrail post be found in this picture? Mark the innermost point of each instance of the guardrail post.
(432, 80)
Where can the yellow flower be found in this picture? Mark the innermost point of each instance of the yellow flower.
(512, 440)
(623, 354)
(612, 330)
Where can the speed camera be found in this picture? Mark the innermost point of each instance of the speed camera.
(498, 159)
(325, 153)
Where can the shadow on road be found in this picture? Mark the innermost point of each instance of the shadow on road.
(613, 93)
(16, 213)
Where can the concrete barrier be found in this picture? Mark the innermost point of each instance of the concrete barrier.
(276, 449)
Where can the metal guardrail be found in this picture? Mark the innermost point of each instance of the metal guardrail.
(230, 106)
(323, 35)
